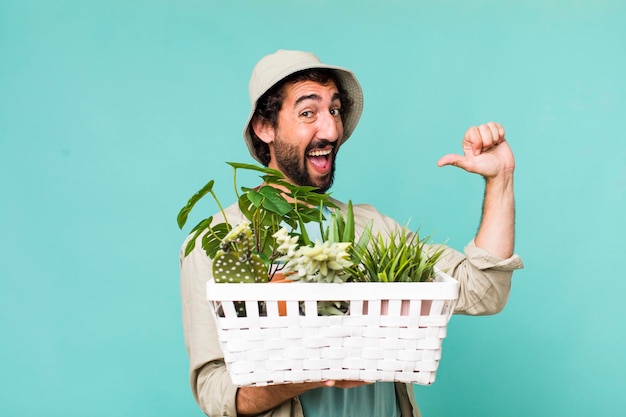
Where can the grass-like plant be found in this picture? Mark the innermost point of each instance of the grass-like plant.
(401, 257)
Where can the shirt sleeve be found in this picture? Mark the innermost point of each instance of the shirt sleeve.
(485, 279)
(210, 382)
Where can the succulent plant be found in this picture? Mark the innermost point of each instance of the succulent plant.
(321, 262)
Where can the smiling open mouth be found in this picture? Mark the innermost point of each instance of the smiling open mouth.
(321, 159)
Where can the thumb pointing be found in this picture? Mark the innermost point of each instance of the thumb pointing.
(450, 159)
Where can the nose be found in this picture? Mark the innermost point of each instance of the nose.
(330, 127)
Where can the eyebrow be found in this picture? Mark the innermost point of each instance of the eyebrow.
(316, 97)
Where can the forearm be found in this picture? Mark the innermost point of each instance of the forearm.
(252, 401)
(496, 233)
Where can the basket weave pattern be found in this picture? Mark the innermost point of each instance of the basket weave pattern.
(392, 331)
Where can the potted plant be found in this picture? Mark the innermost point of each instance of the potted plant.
(273, 233)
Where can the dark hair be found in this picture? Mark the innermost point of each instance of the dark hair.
(269, 104)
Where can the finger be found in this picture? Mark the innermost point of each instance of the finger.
(450, 159)
(486, 136)
(501, 131)
(472, 143)
(498, 130)
(495, 134)
(465, 163)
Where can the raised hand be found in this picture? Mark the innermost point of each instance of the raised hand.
(485, 152)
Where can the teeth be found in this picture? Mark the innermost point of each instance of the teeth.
(319, 153)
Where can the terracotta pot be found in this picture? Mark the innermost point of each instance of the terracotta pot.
(280, 278)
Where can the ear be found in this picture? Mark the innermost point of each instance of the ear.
(263, 130)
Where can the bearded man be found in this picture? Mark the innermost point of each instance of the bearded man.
(302, 112)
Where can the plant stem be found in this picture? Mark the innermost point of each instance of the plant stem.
(228, 226)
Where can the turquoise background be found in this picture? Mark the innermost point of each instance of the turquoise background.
(112, 113)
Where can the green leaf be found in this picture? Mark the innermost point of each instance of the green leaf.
(309, 214)
(267, 248)
(291, 221)
(333, 228)
(200, 227)
(305, 235)
(244, 205)
(274, 201)
(204, 224)
(252, 167)
(211, 241)
(298, 190)
(191, 245)
(365, 238)
(255, 197)
(184, 212)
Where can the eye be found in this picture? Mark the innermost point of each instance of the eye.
(335, 112)
(307, 113)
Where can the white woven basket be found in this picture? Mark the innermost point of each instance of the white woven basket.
(392, 331)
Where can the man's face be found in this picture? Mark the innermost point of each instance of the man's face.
(308, 133)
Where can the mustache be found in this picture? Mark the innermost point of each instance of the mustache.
(320, 144)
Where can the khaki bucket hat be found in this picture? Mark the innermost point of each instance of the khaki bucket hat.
(275, 67)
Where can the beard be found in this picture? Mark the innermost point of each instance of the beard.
(295, 168)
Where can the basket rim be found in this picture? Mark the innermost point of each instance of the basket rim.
(443, 288)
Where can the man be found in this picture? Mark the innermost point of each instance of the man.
(302, 112)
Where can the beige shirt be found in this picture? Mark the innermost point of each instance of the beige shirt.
(485, 283)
